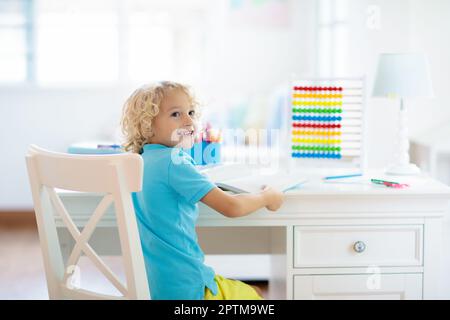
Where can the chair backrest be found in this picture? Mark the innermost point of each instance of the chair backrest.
(116, 176)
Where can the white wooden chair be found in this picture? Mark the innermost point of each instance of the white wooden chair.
(115, 175)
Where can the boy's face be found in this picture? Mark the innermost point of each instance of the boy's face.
(174, 125)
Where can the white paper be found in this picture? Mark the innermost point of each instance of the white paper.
(254, 183)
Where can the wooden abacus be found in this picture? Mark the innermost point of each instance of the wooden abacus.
(326, 122)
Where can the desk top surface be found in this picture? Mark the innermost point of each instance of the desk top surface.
(351, 197)
(315, 186)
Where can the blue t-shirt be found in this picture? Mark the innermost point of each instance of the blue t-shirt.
(167, 212)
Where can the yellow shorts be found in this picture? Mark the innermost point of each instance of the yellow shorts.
(231, 290)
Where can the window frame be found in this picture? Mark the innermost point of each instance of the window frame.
(122, 13)
(331, 26)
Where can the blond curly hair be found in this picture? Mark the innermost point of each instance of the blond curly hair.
(140, 109)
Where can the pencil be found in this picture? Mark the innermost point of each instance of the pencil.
(343, 176)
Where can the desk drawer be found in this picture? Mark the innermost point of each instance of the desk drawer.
(358, 287)
(357, 246)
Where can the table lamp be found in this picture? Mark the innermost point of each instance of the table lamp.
(402, 75)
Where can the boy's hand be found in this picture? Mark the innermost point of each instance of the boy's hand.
(274, 198)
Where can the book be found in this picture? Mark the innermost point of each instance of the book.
(92, 147)
(253, 183)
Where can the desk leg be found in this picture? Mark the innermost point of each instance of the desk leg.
(278, 264)
(433, 240)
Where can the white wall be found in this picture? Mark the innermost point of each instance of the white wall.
(405, 25)
(51, 118)
(430, 33)
(243, 61)
(247, 62)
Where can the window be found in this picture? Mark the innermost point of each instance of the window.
(14, 36)
(62, 42)
(332, 38)
(76, 41)
(150, 45)
(164, 40)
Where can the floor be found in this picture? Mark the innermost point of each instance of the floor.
(21, 268)
(22, 273)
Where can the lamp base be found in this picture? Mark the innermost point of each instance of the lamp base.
(403, 169)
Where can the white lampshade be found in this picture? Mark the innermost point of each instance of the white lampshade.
(403, 75)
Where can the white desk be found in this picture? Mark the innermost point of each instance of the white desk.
(317, 233)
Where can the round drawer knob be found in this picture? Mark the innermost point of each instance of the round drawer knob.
(359, 246)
